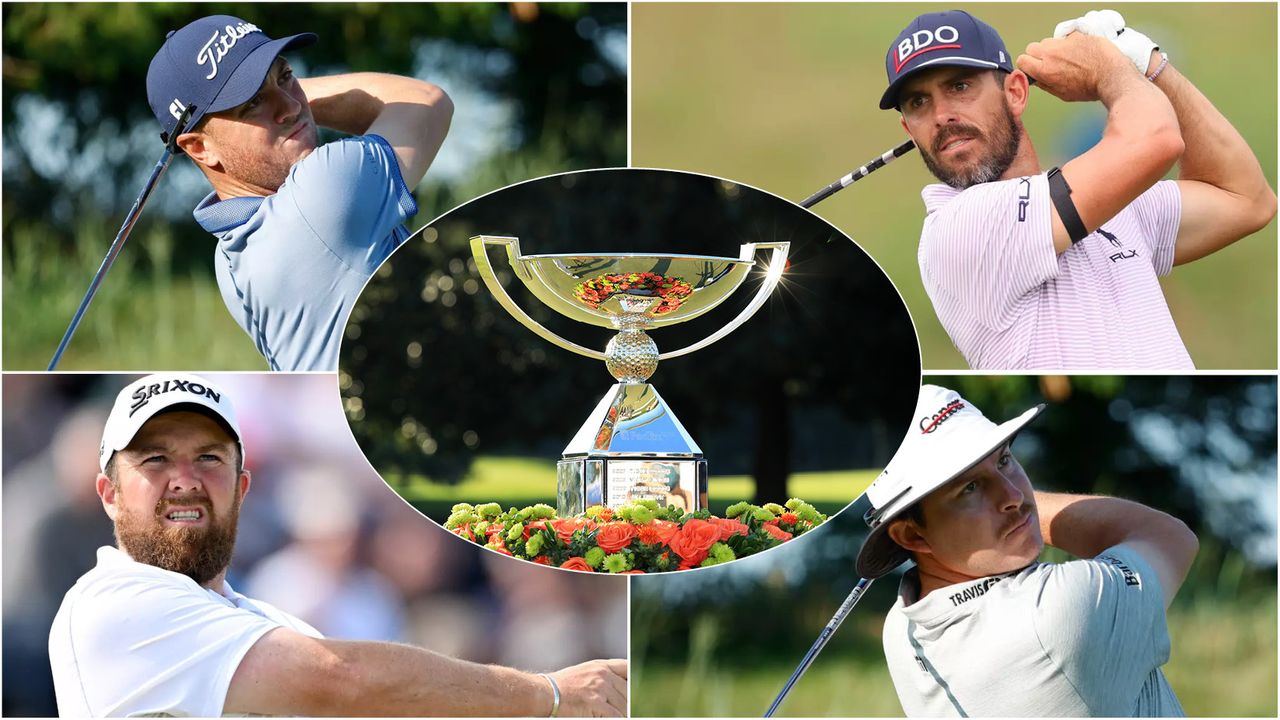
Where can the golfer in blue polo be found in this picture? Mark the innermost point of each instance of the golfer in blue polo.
(300, 228)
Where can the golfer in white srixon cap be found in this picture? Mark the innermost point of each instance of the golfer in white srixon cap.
(980, 627)
(155, 629)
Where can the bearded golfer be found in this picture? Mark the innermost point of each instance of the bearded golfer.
(982, 629)
(1029, 267)
(155, 629)
(300, 228)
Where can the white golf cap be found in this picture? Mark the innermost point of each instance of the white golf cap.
(143, 399)
(948, 437)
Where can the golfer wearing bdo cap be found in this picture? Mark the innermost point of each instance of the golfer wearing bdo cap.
(155, 629)
(300, 228)
(980, 628)
(1057, 268)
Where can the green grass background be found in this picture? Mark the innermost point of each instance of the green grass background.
(520, 481)
(784, 97)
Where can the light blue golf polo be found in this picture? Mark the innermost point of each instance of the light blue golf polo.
(291, 265)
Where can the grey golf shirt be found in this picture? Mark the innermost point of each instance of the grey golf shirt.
(1083, 638)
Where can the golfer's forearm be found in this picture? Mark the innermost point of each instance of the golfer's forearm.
(1215, 152)
(1142, 121)
(393, 679)
(286, 673)
(1086, 525)
(351, 103)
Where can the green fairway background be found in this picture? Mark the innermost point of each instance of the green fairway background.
(784, 97)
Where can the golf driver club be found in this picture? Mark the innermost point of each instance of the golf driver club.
(827, 632)
(867, 169)
(170, 149)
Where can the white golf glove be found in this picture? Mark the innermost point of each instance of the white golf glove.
(1110, 24)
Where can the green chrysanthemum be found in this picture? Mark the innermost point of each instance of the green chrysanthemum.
(543, 511)
(736, 509)
(649, 503)
(489, 511)
(774, 508)
(616, 562)
(460, 517)
(534, 544)
(594, 557)
(515, 532)
(641, 515)
(461, 506)
(722, 552)
(761, 514)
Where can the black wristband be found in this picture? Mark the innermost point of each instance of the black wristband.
(1060, 193)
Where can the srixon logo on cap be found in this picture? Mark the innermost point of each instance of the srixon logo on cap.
(143, 394)
(926, 40)
(930, 423)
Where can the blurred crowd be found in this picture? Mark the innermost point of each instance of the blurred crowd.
(320, 536)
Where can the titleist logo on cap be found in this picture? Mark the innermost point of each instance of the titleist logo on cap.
(930, 423)
(220, 44)
(143, 394)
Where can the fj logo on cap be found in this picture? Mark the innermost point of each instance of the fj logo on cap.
(175, 109)
(926, 40)
(931, 423)
(220, 44)
(143, 395)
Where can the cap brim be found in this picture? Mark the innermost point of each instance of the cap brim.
(247, 78)
(889, 101)
(880, 554)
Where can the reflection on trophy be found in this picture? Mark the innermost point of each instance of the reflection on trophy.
(631, 446)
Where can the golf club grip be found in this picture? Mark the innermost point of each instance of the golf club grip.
(821, 642)
(858, 174)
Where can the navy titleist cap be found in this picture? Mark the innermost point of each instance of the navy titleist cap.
(215, 64)
(940, 39)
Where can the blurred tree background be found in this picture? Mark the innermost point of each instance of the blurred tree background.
(804, 113)
(539, 88)
(438, 380)
(1200, 448)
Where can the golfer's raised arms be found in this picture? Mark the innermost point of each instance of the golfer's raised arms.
(412, 115)
(1086, 525)
(1141, 141)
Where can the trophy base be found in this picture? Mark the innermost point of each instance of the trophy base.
(613, 481)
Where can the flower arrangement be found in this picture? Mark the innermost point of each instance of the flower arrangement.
(596, 291)
(636, 538)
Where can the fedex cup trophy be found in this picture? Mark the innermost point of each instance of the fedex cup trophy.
(631, 446)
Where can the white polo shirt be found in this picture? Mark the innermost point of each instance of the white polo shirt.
(1083, 638)
(133, 639)
(1009, 301)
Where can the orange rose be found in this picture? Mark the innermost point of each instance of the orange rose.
(542, 560)
(566, 527)
(694, 540)
(789, 518)
(535, 525)
(576, 563)
(614, 536)
(666, 530)
(730, 527)
(463, 531)
(782, 535)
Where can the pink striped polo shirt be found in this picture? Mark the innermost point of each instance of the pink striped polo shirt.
(1009, 302)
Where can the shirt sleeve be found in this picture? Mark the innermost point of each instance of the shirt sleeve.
(159, 646)
(351, 195)
(1159, 211)
(1103, 622)
(990, 246)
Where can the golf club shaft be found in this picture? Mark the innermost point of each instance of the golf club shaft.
(125, 229)
(827, 632)
(858, 174)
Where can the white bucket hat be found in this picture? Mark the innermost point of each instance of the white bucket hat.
(950, 436)
(143, 399)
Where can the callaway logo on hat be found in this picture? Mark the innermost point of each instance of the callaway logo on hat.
(142, 400)
(215, 64)
(949, 436)
(940, 39)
